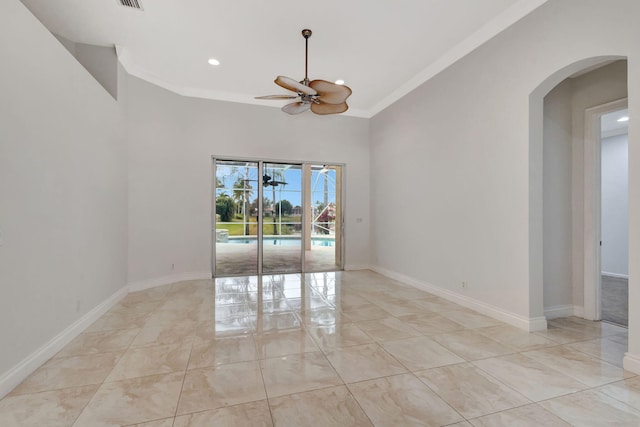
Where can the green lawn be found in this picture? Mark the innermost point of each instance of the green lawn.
(236, 227)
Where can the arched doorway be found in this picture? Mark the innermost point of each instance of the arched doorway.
(537, 198)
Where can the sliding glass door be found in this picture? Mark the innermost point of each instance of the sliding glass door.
(282, 227)
(236, 218)
(276, 217)
(323, 251)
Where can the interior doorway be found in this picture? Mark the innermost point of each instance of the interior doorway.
(614, 217)
(606, 213)
(276, 217)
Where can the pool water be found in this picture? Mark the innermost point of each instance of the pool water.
(286, 242)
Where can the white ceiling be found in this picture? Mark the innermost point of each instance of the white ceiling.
(382, 49)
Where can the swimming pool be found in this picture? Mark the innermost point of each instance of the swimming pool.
(284, 241)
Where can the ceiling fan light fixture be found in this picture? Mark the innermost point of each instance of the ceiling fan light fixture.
(339, 82)
(213, 61)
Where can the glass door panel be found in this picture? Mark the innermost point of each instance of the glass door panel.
(276, 218)
(282, 218)
(323, 245)
(236, 216)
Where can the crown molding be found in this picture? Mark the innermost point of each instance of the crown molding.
(485, 33)
(133, 69)
(468, 45)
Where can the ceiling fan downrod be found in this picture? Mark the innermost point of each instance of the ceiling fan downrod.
(306, 33)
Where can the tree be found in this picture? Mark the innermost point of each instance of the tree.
(284, 207)
(276, 175)
(225, 207)
(243, 196)
(242, 192)
(266, 204)
(219, 181)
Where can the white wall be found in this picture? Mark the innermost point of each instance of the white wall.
(615, 205)
(464, 142)
(63, 179)
(171, 141)
(100, 61)
(557, 223)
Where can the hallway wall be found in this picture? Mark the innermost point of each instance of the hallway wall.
(556, 187)
(615, 206)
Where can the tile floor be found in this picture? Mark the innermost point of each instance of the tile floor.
(327, 349)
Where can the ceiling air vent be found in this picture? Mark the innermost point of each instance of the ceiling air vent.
(135, 4)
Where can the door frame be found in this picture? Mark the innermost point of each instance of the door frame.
(592, 232)
(261, 162)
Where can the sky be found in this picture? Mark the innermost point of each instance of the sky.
(229, 172)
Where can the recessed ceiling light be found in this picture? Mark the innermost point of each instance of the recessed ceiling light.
(339, 82)
(624, 119)
(213, 61)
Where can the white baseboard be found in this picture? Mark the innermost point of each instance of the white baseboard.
(167, 280)
(578, 311)
(354, 267)
(14, 376)
(615, 275)
(559, 311)
(521, 322)
(535, 324)
(631, 363)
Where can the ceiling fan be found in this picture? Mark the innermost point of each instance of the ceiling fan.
(321, 96)
(267, 181)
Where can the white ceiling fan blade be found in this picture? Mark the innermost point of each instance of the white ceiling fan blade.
(331, 93)
(292, 85)
(277, 97)
(296, 107)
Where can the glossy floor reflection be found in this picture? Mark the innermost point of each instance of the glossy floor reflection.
(343, 349)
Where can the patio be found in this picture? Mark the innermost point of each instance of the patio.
(236, 258)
